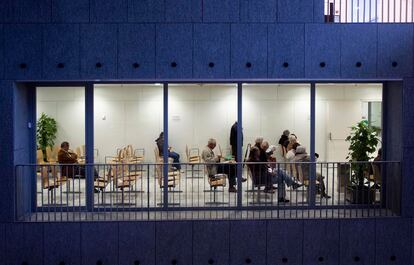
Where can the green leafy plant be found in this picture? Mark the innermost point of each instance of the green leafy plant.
(46, 132)
(363, 141)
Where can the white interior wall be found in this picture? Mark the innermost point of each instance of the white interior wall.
(67, 106)
(338, 107)
(127, 114)
(198, 112)
(268, 110)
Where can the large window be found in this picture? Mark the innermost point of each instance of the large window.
(270, 109)
(338, 108)
(60, 114)
(198, 112)
(127, 115)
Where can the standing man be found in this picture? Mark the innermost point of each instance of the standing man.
(233, 140)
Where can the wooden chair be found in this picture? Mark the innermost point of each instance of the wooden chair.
(376, 175)
(173, 175)
(80, 154)
(302, 171)
(191, 158)
(39, 157)
(49, 184)
(120, 156)
(51, 155)
(257, 184)
(215, 182)
(133, 156)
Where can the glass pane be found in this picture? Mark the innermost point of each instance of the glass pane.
(338, 108)
(197, 113)
(127, 120)
(60, 109)
(278, 114)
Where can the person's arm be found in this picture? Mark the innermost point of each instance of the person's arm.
(209, 157)
(290, 155)
(66, 158)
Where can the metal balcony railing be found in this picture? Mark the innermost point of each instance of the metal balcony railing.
(369, 11)
(142, 191)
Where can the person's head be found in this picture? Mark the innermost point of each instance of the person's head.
(300, 150)
(292, 138)
(64, 146)
(211, 143)
(286, 132)
(161, 134)
(258, 142)
(295, 145)
(254, 153)
(264, 145)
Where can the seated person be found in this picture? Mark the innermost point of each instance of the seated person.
(266, 176)
(213, 166)
(292, 140)
(258, 142)
(259, 171)
(66, 156)
(280, 151)
(290, 155)
(302, 156)
(264, 156)
(175, 156)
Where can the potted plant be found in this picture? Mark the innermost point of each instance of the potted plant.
(46, 133)
(363, 141)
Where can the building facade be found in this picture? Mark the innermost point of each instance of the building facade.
(80, 42)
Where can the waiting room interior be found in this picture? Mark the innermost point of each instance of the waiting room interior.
(132, 115)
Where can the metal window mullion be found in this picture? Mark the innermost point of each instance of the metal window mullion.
(89, 130)
(312, 192)
(239, 144)
(165, 146)
(33, 147)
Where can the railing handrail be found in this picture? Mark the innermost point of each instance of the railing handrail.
(208, 163)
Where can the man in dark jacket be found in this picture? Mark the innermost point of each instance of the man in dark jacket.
(233, 140)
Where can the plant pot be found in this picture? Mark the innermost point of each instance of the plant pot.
(360, 195)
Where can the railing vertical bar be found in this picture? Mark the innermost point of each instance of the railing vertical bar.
(165, 147)
(358, 10)
(369, 11)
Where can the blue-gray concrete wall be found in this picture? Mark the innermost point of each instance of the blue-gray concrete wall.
(195, 39)
(353, 241)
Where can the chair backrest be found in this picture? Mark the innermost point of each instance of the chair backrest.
(140, 152)
(299, 173)
(158, 158)
(187, 153)
(259, 180)
(56, 149)
(39, 157)
(44, 173)
(49, 153)
(78, 151)
(129, 151)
